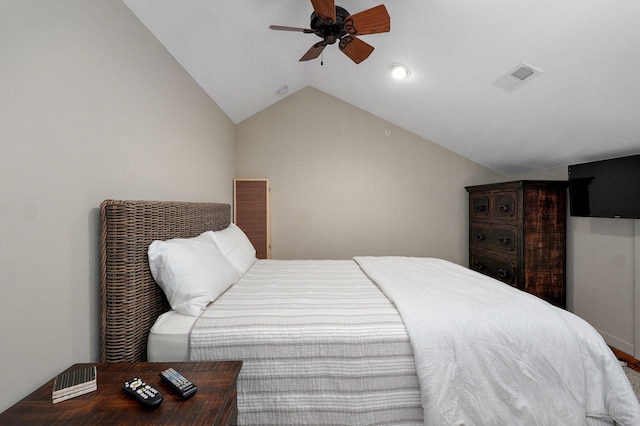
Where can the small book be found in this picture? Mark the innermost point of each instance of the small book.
(74, 383)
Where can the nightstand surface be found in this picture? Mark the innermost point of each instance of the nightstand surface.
(213, 404)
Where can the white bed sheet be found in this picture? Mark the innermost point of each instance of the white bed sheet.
(169, 338)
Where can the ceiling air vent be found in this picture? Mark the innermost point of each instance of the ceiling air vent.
(516, 77)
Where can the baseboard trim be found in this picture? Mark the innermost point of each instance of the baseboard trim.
(615, 342)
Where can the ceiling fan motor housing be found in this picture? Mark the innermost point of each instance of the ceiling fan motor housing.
(330, 32)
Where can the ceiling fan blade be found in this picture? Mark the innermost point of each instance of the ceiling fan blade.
(355, 48)
(325, 9)
(370, 21)
(314, 51)
(300, 30)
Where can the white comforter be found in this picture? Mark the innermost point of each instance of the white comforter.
(488, 354)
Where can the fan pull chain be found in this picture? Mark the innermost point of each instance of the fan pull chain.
(322, 59)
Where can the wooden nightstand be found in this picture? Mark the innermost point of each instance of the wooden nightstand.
(213, 404)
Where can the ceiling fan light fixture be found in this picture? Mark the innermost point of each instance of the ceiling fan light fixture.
(399, 71)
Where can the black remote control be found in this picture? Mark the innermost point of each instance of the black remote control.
(149, 397)
(179, 383)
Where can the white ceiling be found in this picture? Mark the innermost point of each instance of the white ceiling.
(584, 106)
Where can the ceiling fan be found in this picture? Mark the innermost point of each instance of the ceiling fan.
(334, 24)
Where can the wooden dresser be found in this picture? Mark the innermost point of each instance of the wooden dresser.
(517, 234)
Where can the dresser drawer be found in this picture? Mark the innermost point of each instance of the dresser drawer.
(503, 269)
(504, 205)
(479, 206)
(502, 238)
(494, 205)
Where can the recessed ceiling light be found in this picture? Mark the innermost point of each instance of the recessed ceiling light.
(399, 71)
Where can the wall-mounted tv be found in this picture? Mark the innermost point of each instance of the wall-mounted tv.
(607, 188)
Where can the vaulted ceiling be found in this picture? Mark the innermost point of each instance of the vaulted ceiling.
(583, 106)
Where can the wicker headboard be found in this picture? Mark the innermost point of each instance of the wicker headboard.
(130, 298)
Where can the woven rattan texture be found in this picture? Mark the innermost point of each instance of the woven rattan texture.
(130, 298)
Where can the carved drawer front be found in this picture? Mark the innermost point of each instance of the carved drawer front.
(479, 206)
(504, 205)
(494, 237)
(499, 268)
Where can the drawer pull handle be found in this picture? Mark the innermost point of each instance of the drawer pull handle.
(504, 240)
(502, 273)
(479, 266)
(503, 208)
(479, 237)
(481, 208)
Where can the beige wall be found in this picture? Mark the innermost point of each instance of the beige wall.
(341, 187)
(91, 107)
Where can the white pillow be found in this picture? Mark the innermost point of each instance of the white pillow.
(235, 245)
(192, 272)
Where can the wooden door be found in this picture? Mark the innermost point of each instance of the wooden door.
(251, 213)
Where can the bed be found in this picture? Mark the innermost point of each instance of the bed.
(372, 340)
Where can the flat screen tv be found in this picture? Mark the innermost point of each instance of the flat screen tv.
(608, 188)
